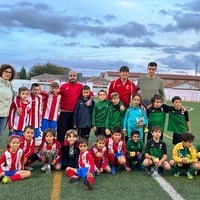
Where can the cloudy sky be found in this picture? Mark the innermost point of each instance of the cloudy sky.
(92, 36)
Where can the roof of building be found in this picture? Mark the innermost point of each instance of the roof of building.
(163, 76)
(99, 80)
(46, 76)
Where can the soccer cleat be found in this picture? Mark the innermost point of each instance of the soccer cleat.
(44, 167)
(177, 174)
(87, 184)
(189, 175)
(74, 179)
(5, 180)
(28, 168)
(112, 170)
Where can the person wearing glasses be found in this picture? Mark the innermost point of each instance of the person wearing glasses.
(150, 84)
(70, 94)
(7, 74)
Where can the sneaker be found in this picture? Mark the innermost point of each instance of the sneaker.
(112, 170)
(160, 171)
(5, 180)
(87, 184)
(189, 175)
(44, 167)
(74, 179)
(177, 174)
(28, 168)
(150, 170)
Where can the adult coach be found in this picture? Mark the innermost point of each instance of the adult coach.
(70, 94)
(7, 74)
(150, 84)
(123, 86)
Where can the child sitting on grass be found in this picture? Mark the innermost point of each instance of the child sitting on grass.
(86, 166)
(70, 150)
(156, 153)
(12, 162)
(49, 150)
(135, 150)
(116, 150)
(185, 157)
(28, 146)
(100, 155)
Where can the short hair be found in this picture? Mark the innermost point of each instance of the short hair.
(152, 64)
(49, 130)
(29, 126)
(187, 137)
(7, 66)
(124, 69)
(134, 132)
(83, 141)
(21, 89)
(34, 85)
(54, 85)
(100, 138)
(71, 131)
(176, 98)
(116, 129)
(114, 94)
(156, 97)
(101, 91)
(156, 128)
(85, 87)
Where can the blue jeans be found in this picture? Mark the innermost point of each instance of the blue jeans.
(3, 123)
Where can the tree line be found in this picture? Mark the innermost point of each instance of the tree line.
(38, 69)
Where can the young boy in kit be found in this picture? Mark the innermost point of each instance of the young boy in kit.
(99, 113)
(157, 114)
(17, 122)
(115, 115)
(86, 166)
(51, 102)
(178, 120)
(156, 153)
(135, 150)
(27, 143)
(100, 154)
(185, 156)
(116, 150)
(83, 114)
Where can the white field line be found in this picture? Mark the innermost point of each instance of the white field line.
(168, 188)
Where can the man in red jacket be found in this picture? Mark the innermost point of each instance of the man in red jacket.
(123, 86)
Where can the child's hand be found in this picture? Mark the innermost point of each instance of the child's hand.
(25, 160)
(19, 111)
(53, 162)
(94, 128)
(110, 151)
(107, 131)
(89, 175)
(185, 160)
(98, 154)
(100, 170)
(122, 108)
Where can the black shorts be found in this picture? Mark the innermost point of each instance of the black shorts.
(176, 138)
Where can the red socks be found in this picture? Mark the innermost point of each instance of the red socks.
(15, 177)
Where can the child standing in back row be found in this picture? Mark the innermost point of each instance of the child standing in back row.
(17, 122)
(99, 113)
(83, 114)
(178, 122)
(51, 102)
(135, 117)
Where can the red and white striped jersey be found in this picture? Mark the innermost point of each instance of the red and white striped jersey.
(36, 110)
(86, 160)
(118, 147)
(27, 146)
(12, 161)
(51, 103)
(18, 122)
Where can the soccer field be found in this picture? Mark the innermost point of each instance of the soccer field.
(135, 185)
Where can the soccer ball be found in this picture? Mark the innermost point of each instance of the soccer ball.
(6, 180)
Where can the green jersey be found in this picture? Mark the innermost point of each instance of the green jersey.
(135, 146)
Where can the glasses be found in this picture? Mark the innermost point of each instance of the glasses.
(8, 72)
(72, 75)
(84, 145)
